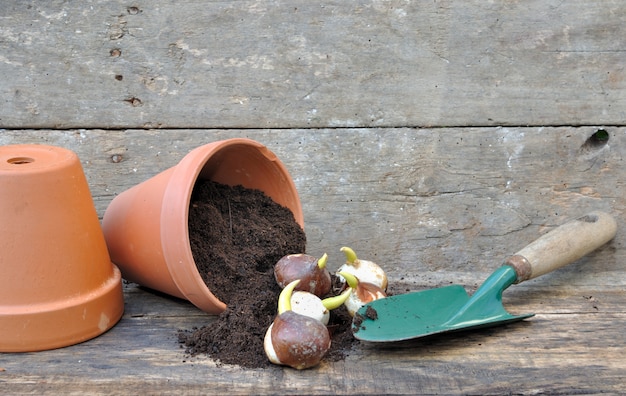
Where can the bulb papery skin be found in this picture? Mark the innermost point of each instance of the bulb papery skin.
(305, 267)
(310, 305)
(269, 348)
(299, 341)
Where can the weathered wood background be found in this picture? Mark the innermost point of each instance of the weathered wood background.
(435, 137)
(278, 64)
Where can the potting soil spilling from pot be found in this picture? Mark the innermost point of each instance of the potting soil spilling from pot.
(237, 235)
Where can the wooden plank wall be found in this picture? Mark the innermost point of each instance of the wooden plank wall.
(393, 193)
(434, 137)
(277, 64)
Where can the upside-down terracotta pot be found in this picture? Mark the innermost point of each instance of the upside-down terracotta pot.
(146, 226)
(58, 286)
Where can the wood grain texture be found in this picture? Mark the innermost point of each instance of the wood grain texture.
(420, 200)
(260, 64)
(551, 353)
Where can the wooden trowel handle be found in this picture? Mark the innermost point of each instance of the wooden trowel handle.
(563, 245)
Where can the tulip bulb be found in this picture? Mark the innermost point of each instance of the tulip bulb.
(310, 305)
(312, 272)
(365, 270)
(293, 339)
(363, 293)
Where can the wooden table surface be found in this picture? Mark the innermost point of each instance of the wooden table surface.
(436, 138)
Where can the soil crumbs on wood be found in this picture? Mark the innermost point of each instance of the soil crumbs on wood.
(236, 236)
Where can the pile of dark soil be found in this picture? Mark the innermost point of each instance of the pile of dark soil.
(237, 235)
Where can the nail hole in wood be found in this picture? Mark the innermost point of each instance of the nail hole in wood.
(135, 102)
(597, 140)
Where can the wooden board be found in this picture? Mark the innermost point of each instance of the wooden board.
(452, 198)
(434, 206)
(551, 353)
(273, 64)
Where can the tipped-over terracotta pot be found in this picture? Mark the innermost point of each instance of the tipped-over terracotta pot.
(146, 227)
(58, 286)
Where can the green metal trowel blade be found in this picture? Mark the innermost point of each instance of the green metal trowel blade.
(406, 316)
(450, 308)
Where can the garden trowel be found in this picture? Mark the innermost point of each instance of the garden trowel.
(450, 308)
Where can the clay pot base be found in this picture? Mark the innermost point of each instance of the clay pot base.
(236, 236)
(58, 286)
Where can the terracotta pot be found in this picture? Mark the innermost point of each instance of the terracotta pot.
(146, 227)
(58, 286)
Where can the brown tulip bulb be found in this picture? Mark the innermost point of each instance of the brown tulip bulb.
(313, 274)
(298, 340)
